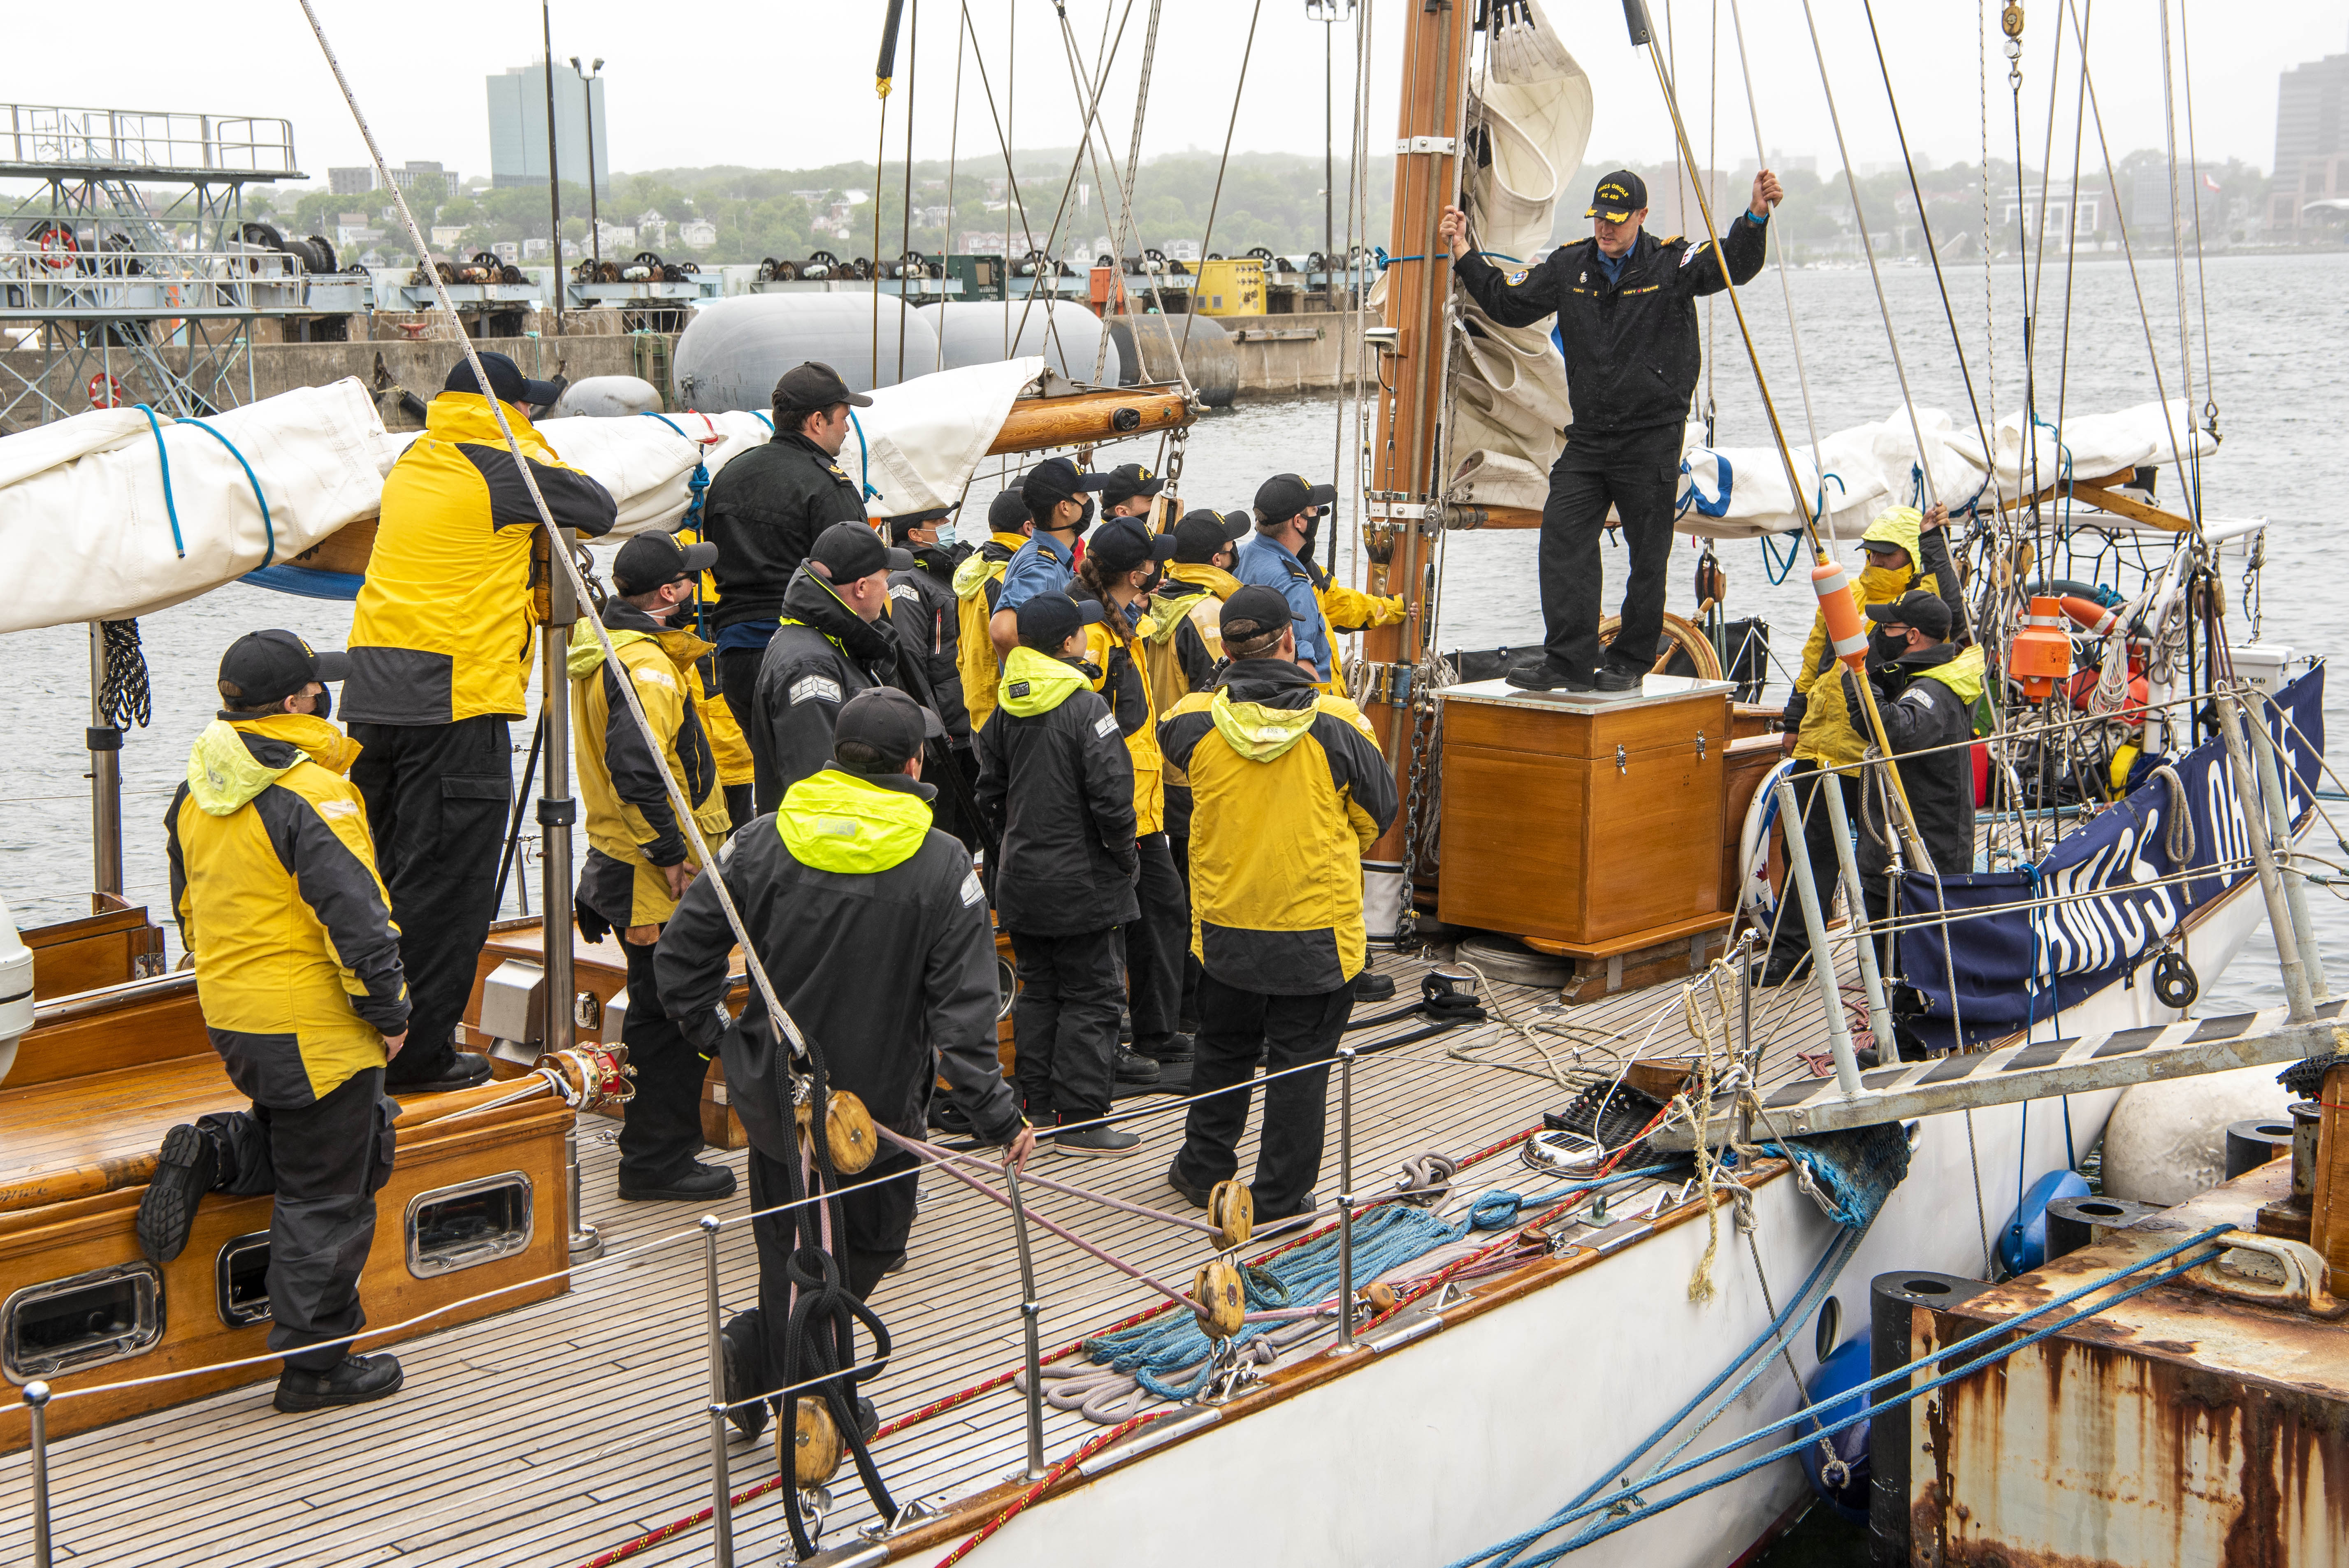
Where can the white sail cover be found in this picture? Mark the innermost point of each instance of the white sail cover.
(1533, 112)
(86, 533)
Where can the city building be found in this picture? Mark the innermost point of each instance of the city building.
(517, 107)
(351, 181)
(360, 180)
(2312, 135)
(697, 233)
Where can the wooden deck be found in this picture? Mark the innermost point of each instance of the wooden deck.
(553, 1433)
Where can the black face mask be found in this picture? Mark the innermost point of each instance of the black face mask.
(1884, 648)
(1085, 519)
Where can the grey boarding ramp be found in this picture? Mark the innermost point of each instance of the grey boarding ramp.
(2183, 1049)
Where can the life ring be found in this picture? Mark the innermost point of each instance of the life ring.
(56, 245)
(1756, 894)
(1681, 637)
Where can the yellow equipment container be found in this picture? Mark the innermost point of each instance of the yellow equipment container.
(1234, 287)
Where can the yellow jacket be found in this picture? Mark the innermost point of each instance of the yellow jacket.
(733, 752)
(275, 885)
(1345, 609)
(1826, 736)
(442, 629)
(1140, 724)
(631, 826)
(1207, 609)
(977, 582)
(1289, 791)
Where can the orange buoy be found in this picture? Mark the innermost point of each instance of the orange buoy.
(2098, 620)
(1845, 633)
(2041, 654)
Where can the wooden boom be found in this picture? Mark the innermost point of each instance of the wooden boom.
(1085, 419)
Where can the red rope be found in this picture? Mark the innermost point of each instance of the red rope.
(1084, 1451)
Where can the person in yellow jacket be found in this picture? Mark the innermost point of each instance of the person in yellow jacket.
(1290, 790)
(639, 859)
(440, 655)
(1903, 547)
(299, 979)
(1343, 609)
(1199, 577)
(1121, 556)
(977, 583)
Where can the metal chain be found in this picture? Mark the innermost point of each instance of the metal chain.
(1415, 801)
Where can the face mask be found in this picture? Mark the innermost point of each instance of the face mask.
(1085, 519)
(1879, 584)
(1883, 647)
(945, 536)
(325, 705)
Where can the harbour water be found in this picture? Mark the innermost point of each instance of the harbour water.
(2277, 328)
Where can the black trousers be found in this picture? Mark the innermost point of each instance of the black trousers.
(1179, 849)
(1157, 942)
(438, 799)
(1792, 944)
(875, 1218)
(1638, 472)
(323, 1162)
(1064, 1023)
(660, 1132)
(1233, 1024)
(738, 682)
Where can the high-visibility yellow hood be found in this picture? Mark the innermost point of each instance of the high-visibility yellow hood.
(683, 648)
(1198, 573)
(1257, 732)
(1035, 682)
(836, 821)
(976, 568)
(1962, 675)
(1900, 525)
(223, 773)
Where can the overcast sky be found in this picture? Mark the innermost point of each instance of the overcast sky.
(790, 85)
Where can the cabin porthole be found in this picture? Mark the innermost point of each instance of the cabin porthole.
(240, 1280)
(84, 1320)
(473, 1223)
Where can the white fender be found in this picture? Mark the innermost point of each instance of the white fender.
(15, 991)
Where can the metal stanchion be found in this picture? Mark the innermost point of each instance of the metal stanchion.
(2302, 1008)
(721, 1501)
(1345, 1199)
(1872, 980)
(2296, 888)
(1790, 816)
(587, 1241)
(37, 1406)
(1029, 1310)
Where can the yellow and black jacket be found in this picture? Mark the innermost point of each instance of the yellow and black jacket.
(1210, 586)
(718, 723)
(632, 827)
(1290, 790)
(442, 629)
(1818, 709)
(275, 885)
(977, 584)
(1125, 684)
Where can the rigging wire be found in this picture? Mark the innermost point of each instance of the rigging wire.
(1017, 203)
(1785, 289)
(1216, 201)
(1084, 142)
(954, 154)
(906, 220)
(2202, 285)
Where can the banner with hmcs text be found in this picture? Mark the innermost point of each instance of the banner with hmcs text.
(2026, 945)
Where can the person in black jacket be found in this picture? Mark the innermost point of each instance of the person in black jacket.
(928, 619)
(1626, 309)
(835, 641)
(874, 933)
(1056, 783)
(765, 509)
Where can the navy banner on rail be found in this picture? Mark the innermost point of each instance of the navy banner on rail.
(2026, 945)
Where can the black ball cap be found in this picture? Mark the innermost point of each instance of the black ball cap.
(1283, 496)
(847, 550)
(651, 559)
(1050, 619)
(1254, 612)
(1617, 196)
(1203, 533)
(1123, 543)
(1917, 608)
(812, 384)
(261, 669)
(1130, 479)
(885, 719)
(1008, 512)
(1056, 479)
(507, 383)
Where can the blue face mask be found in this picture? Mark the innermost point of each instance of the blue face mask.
(946, 534)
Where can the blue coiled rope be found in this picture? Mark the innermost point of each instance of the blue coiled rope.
(697, 484)
(170, 506)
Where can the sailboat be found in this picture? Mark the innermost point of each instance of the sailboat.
(1584, 1229)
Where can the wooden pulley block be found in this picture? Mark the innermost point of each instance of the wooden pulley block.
(847, 1130)
(1220, 1299)
(809, 1447)
(1382, 1296)
(1231, 1209)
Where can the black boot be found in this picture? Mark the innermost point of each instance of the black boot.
(741, 1347)
(697, 1183)
(186, 1168)
(1164, 1048)
(1369, 986)
(355, 1380)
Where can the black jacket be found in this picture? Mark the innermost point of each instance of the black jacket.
(928, 621)
(764, 510)
(1057, 786)
(1920, 715)
(891, 973)
(1632, 348)
(824, 654)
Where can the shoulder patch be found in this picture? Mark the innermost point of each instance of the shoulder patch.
(815, 688)
(905, 591)
(338, 808)
(1519, 276)
(653, 674)
(972, 893)
(1687, 254)
(1106, 725)
(1017, 689)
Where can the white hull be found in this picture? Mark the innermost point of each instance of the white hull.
(1441, 1446)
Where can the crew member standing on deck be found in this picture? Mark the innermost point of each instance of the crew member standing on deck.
(977, 583)
(766, 508)
(1131, 490)
(441, 655)
(639, 861)
(1055, 491)
(298, 977)
(834, 640)
(1626, 309)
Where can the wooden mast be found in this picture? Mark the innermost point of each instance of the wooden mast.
(1398, 529)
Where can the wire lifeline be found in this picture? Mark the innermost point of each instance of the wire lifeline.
(170, 506)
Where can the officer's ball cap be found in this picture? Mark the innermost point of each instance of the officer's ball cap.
(1123, 543)
(848, 551)
(261, 669)
(887, 720)
(905, 524)
(1056, 479)
(1202, 534)
(1917, 608)
(1008, 512)
(1618, 196)
(651, 559)
(1283, 496)
(1255, 613)
(815, 385)
(507, 383)
(1050, 619)
(1130, 479)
